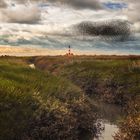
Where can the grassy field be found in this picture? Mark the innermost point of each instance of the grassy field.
(114, 79)
(36, 105)
(52, 101)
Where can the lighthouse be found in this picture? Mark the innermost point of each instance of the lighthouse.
(69, 52)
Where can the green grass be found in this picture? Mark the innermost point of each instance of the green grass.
(114, 79)
(37, 105)
(50, 102)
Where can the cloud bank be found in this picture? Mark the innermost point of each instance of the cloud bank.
(78, 4)
(29, 14)
(81, 4)
(22, 14)
(27, 11)
(132, 12)
(2, 4)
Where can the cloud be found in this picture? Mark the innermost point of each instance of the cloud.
(81, 4)
(133, 10)
(2, 4)
(78, 4)
(21, 14)
(133, 13)
(25, 11)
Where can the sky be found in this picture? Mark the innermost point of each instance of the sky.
(88, 25)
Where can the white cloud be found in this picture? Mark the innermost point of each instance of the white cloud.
(20, 14)
(133, 13)
(2, 4)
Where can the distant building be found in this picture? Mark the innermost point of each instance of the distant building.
(69, 52)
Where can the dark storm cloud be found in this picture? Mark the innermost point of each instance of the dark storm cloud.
(112, 29)
(81, 4)
(78, 4)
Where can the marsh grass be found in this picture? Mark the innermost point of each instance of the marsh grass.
(115, 81)
(112, 79)
(36, 105)
(52, 101)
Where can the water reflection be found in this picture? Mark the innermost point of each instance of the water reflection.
(108, 132)
(110, 116)
(109, 112)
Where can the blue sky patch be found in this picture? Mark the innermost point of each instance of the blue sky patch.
(115, 5)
